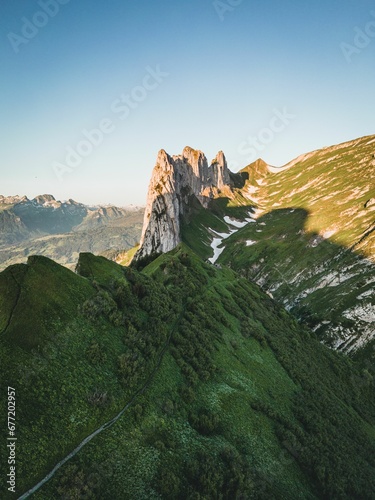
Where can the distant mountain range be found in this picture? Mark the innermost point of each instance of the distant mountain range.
(61, 230)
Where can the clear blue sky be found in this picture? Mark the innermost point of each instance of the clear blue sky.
(230, 68)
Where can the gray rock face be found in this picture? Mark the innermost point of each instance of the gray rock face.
(175, 180)
(220, 173)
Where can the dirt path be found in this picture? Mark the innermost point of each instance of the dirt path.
(105, 426)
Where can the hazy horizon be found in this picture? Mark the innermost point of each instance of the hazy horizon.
(89, 201)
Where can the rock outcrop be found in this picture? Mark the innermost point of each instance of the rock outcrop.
(175, 182)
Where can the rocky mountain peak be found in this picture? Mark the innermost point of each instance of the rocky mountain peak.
(197, 161)
(175, 181)
(44, 198)
(257, 170)
(12, 200)
(163, 160)
(220, 172)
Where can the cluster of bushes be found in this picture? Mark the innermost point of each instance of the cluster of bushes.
(208, 474)
(96, 353)
(193, 344)
(198, 325)
(205, 422)
(102, 305)
(143, 311)
(99, 398)
(76, 484)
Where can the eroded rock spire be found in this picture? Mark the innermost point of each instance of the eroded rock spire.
(174, 182)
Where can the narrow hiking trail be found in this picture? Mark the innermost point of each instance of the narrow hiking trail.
(108, 424)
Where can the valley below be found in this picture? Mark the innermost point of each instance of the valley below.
(61, 231)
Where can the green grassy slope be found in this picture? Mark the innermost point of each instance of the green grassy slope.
(244, 402)
(324, 284)
(35, 295)
(66, 351)
(195, 231)
(333, 185)
(313, 244)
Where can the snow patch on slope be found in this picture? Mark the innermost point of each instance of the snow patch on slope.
(218, 241)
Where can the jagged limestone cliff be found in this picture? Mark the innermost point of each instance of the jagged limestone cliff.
(175, 181)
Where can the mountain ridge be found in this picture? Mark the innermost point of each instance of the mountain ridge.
(334, 188)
